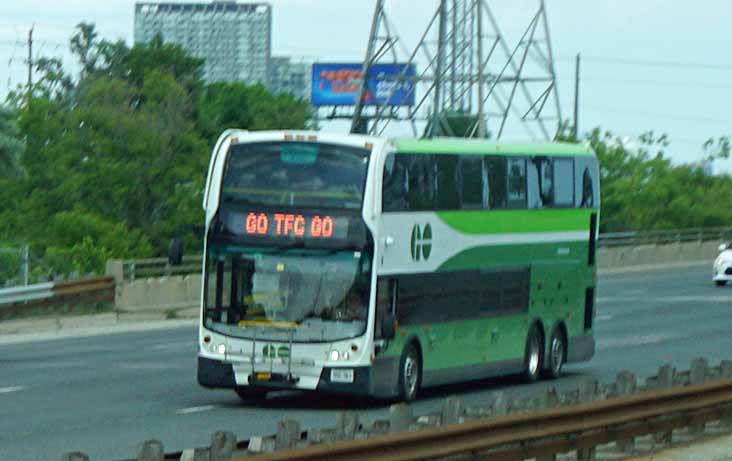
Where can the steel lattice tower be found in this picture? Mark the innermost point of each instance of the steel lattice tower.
(468, 72)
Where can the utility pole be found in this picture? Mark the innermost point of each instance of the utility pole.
(26, 265)
(30, 64)
(576, 96)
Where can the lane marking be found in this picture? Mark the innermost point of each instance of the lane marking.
(603, 317)
(664, 299)
(143, 366)
(177, 345)
(188, 411)
(634, 341)
(8, 390)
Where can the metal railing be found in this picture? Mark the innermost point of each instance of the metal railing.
(26, 293)
(159, 267)
(541, 434)
(665, 237)
(18, 299)
(586, 420)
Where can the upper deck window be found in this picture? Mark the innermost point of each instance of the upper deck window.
(296, 174)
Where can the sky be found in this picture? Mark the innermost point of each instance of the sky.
(661, 65)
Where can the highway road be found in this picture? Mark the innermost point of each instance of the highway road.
(105, 394)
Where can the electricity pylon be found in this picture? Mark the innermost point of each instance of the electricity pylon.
(468, 73)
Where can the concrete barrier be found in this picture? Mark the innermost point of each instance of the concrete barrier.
(645, 255)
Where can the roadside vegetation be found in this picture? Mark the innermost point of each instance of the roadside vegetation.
(110, 163)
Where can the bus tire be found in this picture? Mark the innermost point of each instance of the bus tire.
(720, 283)
(248, 394)
(557, 354)
(533, 355)
(410, 373)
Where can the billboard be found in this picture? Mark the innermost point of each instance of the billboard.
(337, 84)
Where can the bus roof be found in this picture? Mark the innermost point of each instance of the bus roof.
(478, 146)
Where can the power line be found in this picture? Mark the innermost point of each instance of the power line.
(689, 84)
(653, 63)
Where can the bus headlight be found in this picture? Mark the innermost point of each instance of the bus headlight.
(345, 355)
(221, 349)
(335, 355)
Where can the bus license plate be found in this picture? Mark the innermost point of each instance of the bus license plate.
(341, 375)
(264, 376)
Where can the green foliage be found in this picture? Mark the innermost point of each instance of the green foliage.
(642, 189)
(10, 143)
(115, 159)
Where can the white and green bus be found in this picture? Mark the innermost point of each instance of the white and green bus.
(372, 266)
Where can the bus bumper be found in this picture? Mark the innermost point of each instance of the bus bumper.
(214, 374)
(378, 380)
(581, 348)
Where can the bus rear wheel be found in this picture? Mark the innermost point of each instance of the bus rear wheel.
(410, 373)
(533, 355)
(557, 352)
(249, 394)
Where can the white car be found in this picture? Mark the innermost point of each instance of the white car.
(723, 265)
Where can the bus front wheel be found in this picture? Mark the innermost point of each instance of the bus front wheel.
(533, 355)
(249, 394)
(410, 373)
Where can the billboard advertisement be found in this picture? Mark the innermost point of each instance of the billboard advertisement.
(337, 84)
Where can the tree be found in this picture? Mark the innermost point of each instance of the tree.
(115, 159)
(11, 145)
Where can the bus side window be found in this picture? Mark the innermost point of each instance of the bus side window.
(541, 183)
(517, 183)
(588, 195)
(421, 183)
(395, 184)
(472, 182)
(564, 182)
(496, 172)
(532, 185)
(447, 197)
(385, 300)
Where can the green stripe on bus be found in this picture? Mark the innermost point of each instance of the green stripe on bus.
(517, 221)
(495, 256)
(475, 146)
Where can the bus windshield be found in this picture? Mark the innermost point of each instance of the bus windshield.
(313, 295)
(297, 174)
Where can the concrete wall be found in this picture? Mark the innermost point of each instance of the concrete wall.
(162, 294)
(654, 255)
(181, 294)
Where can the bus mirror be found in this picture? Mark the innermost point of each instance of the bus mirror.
(175, 252)
(389, 326)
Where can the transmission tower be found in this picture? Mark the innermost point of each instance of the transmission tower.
(471, 82)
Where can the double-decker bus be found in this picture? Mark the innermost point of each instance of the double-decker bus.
(371, 266)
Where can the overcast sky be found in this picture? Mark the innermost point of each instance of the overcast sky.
(660, 65)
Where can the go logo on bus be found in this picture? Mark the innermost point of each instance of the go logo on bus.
(271, 352)
(421, 243)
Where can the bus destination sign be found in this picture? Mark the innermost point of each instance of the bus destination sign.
(295, 225)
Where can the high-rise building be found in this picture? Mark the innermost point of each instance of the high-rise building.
(234, 38)
(290, 75)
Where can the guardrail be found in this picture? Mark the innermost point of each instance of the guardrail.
(586, 420)
(665, 237)
(17, 299)
(159, 267)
